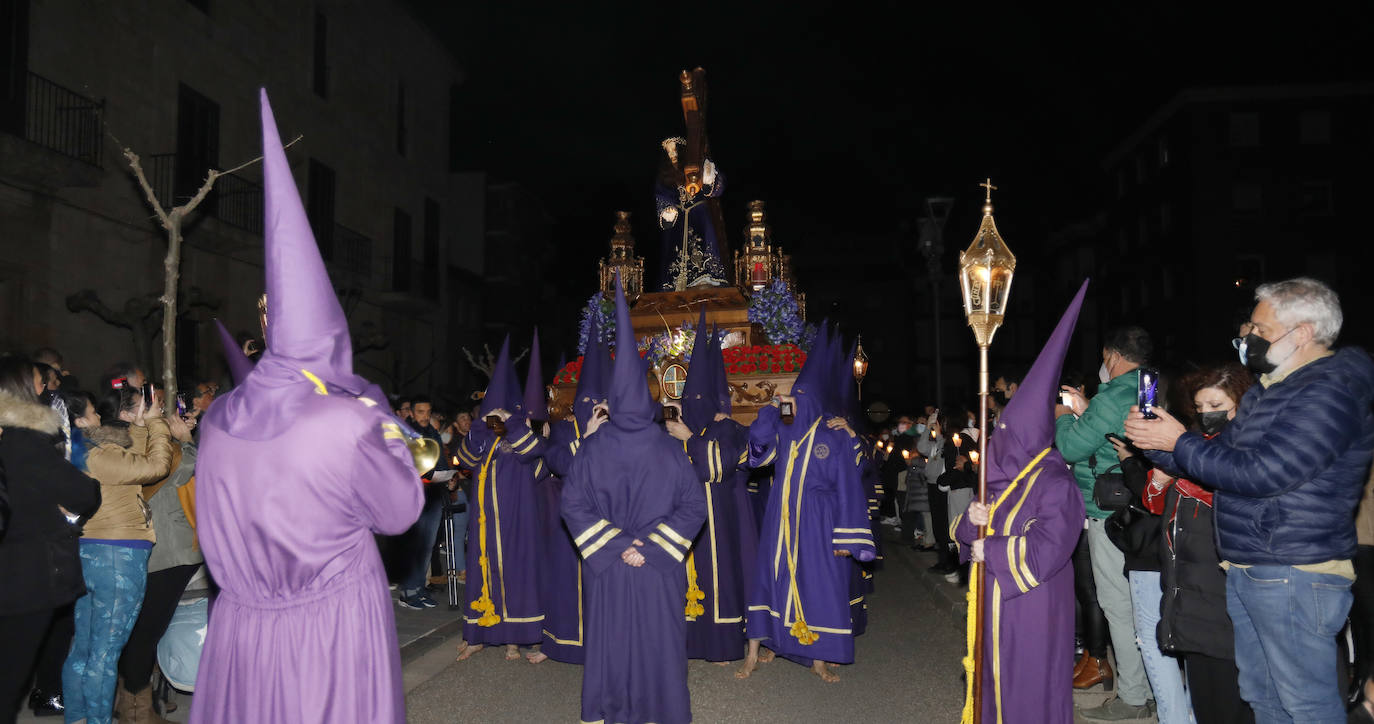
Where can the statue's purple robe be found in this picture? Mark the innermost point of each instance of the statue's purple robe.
(504, 494)
(1033, 528)
(630, 482)
(699, 225)
(299, 466)
(814, 509)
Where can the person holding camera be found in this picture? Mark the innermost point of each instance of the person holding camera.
(1289, 472)
(1080, 435)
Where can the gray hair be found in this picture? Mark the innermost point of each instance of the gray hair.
(1305, 300)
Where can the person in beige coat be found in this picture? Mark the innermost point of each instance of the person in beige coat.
(131, 449)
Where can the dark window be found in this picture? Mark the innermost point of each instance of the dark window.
(1316, 198)
(320, 77)
(1163, 150)
(319, 206)
(188, 349)
(202, 5)
(401, 118)
(1246, 196)
(14, 64)
(197, 145)
(1244, 130)
(1314, 127)
(400, 252)
(431, 264)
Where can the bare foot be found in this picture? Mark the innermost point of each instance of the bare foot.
(821, 669)
(721, 663)
(512, 652)
(766, 655)
(536, 657)
(833, 666)
(466, 650)
(750, 663)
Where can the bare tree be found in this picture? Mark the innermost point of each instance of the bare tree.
(171, 220)
(140, 314)
(486, 364)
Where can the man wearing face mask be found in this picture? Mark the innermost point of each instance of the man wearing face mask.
(1080, 436)
(1289, 470)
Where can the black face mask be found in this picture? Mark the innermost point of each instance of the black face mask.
(46, 397)
(1253, 349)
(1000, 397)
(1211, 423)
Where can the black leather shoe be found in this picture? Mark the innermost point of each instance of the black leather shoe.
(45, 704)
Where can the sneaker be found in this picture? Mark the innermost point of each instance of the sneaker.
(414, 602)
(891, 520)
(1114, 709)
(425, 601)
(394, 586)
(952, 577)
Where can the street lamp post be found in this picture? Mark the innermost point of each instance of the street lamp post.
(985, 272)
(932, 247)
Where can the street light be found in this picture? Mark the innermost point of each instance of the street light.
(860, 365)
(985, 272)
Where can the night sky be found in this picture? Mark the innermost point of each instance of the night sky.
(845, 116)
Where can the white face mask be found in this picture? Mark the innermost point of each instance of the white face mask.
(1102, 374)
(446, 436)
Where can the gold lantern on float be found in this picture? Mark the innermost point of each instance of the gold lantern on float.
(622, 257)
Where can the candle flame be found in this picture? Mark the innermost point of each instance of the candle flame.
(957, 441)
(973, 455)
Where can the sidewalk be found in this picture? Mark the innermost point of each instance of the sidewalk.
(417, 632)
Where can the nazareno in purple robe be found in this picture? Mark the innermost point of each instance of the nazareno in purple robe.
(1033, 528)
(298, 468)
(799, 602)
(630, 481)
(503, 525)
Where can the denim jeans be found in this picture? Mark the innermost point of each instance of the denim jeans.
(420, 539)
(115, 579)
(1114, 596)
(1286, 621)
(460, 532)
(1166, 678)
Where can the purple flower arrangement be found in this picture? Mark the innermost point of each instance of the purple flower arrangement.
(604, 311)
(775, 309)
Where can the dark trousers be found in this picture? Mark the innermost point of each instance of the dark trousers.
(939, 520)
(1092, 623)
(48, 674)
(21, 636)
(1213, 688)
(160, 601)
(420, 540)
(1362, 613)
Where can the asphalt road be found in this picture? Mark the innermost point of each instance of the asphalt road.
(906, 670)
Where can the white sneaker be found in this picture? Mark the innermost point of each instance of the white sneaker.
(891, 520)
(952, 577)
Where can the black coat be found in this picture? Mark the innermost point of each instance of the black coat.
(1144, 530)
(40, 564)
(1193, 616)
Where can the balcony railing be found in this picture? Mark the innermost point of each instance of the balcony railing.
(352, 251)
(62, 120)
(234, 200)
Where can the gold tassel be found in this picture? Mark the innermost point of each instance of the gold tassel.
(694, 593)
(484, 605)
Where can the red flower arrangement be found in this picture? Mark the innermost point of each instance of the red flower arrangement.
(756, 360)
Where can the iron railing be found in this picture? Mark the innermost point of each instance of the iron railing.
(352, 251)
(234, 200)
(62, 120)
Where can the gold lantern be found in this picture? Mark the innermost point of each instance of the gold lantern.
(622, 257)
(860, 365)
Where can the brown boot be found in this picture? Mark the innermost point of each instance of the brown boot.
(141, 711)
(1080, 663)
(1095, 671)
(124, 701)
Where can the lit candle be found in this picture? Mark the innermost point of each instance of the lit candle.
(957, 441)
(906, 454)
(973, 455)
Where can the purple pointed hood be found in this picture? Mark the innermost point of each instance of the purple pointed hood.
(812, 388)
(1027, 423)
(536, 402)
(591, 380)
(308, 346)
(503, 392)
(631, 406)
(238, 362)
(699, 395)
(720, 377)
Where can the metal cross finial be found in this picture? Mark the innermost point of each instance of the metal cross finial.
(988, 185)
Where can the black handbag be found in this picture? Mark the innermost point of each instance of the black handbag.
(1109, 488)
(1132, 529)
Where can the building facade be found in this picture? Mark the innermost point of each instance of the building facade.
(368, 89)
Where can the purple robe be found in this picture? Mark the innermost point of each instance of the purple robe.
(818, 509)
(503, 527)
(625, 485)
(303, 628)
(715, 621)
(1028, 619)
(560, 573)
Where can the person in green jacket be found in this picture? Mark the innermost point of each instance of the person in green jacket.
(1080, 436)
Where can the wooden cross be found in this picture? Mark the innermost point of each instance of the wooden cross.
(988, 185)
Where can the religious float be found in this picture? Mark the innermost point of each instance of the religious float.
(754, 302)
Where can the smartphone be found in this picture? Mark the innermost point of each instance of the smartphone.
(1065, 399)
(1146, 390)
(603, 413)
(669, 413)
(495, 424)
(786, 412)
(147, 395)
(1111, 436)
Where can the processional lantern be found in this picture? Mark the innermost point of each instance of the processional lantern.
(985, 271)
(622, 257)
(860, 365)
(758, 263)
